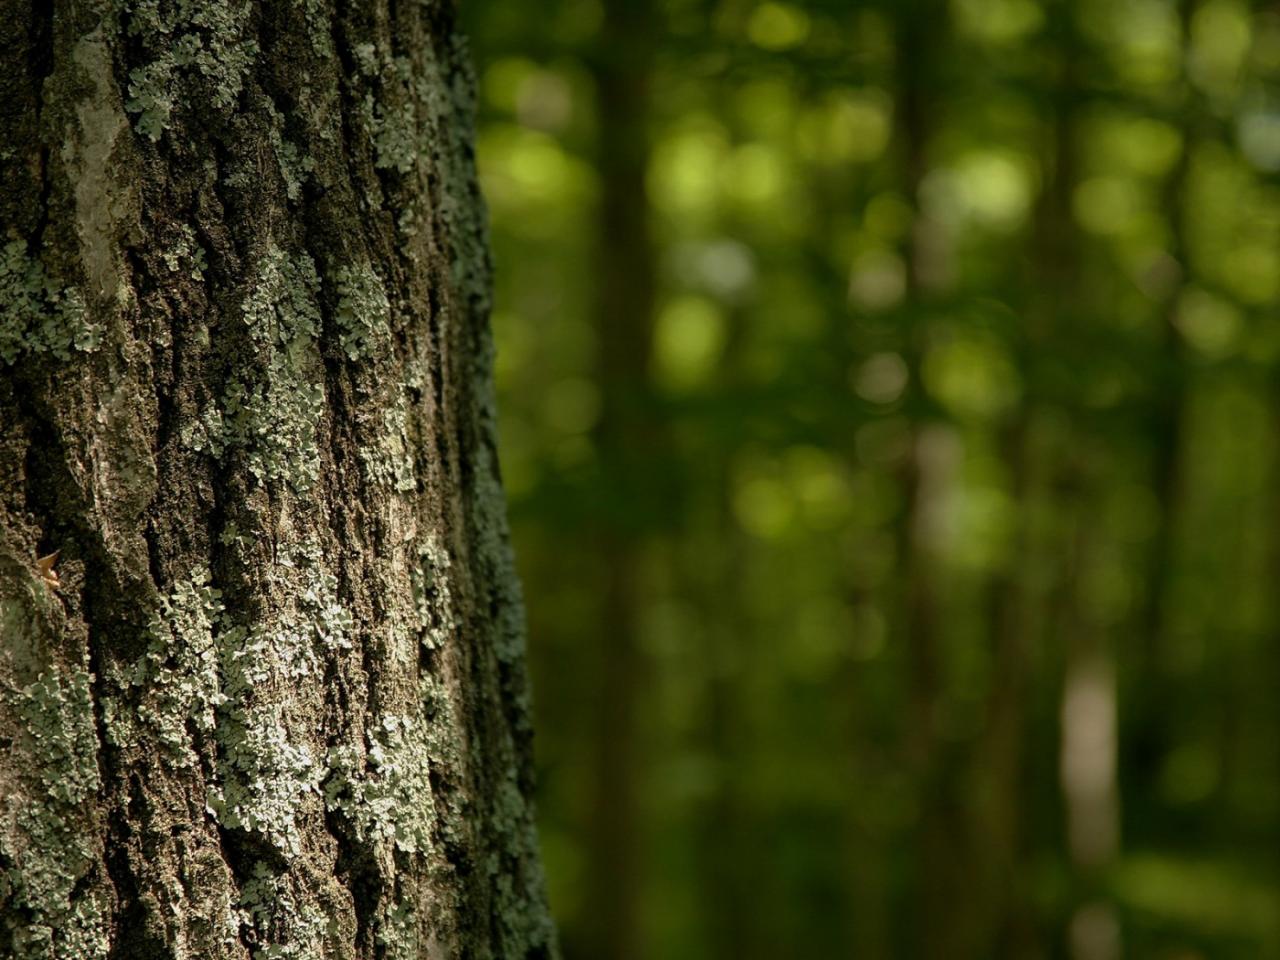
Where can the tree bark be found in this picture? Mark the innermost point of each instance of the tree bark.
(274, 704)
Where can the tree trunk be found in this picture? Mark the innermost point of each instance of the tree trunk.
(939, 855)
(269, 699)
(627, 446)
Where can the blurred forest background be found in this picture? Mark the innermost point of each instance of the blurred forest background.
(890, 401)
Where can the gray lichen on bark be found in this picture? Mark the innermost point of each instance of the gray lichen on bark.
(275, 705)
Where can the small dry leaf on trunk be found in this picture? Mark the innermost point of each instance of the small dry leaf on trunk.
(44, 566)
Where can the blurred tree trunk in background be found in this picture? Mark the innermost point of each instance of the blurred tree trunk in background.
(940, 861)
(269, 698)
(1147, 735)
(626, 441)
(729, 851)
(1088, 711)
(999, 821)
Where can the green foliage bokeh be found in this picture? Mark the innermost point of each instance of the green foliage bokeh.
(920, 576)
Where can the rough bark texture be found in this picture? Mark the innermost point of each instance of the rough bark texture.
(276, 705)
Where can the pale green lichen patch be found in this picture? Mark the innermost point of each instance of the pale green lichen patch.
(178, 674)
(394, 136)
(368, 62)
(232, 682)
(398, 931)
(265, 774)
(36, 315)
(318, 31)
(59, 718)
(363, 314)
(270, 412)
(152, 97)
(329, 621)
(389, 462)
(186, 254)
(286, 924)
(281, 306)
(429, 91)
(294, 165)
(387, 799)
(392, 125)
(194, 41)
(382, 788)
(432, 596)
(48, 847)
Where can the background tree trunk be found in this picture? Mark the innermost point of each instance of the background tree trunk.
(275, 705)
(628, 443)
